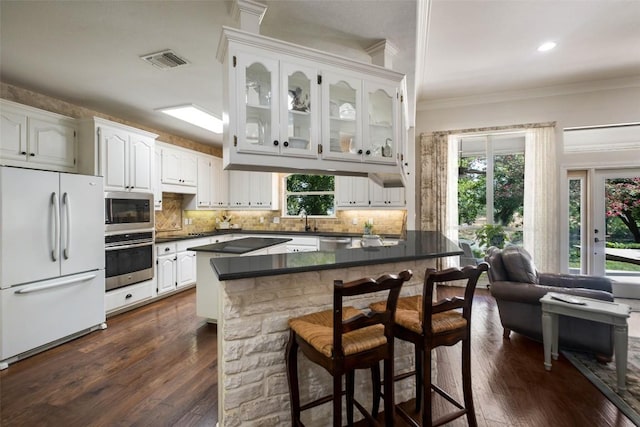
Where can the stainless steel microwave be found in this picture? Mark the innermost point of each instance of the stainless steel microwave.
(124, 211)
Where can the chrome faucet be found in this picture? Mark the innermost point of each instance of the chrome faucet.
(303, 214)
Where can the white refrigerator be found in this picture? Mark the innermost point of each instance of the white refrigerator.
(51, 259)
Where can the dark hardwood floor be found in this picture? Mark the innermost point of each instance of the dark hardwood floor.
(156, 366)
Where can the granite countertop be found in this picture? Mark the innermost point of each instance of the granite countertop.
(418, 245)
(167, 239)
(240, 246)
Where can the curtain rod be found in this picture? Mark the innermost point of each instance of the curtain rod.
(497, 128)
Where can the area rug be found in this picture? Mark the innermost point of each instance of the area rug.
(604, 377)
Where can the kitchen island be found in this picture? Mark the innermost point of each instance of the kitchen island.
(256, 296)
(206, 295)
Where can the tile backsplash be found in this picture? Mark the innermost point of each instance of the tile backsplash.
(172, 220)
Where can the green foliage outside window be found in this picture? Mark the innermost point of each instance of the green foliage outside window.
(313, 193)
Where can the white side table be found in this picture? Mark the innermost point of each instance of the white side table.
(598, 311)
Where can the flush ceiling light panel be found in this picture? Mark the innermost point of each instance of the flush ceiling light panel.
(547, 46)
(165, 59)
(196, 116)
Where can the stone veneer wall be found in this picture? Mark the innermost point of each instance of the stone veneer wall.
(252, 386)
(170, 221)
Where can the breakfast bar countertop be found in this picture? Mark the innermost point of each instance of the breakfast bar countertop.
(418, 245)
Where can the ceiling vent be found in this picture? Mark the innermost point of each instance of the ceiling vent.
(165, 59)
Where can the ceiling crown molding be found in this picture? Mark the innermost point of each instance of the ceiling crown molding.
(542, 92)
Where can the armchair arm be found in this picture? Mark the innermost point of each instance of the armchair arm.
(575, 281)
(530, 294)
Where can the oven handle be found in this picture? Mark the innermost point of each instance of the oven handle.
(136, 245)
(55, 284)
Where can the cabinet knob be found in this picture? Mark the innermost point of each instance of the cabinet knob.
(359, 151)
(276, 142)
(32, 154)
(167, 249)
(368, 152)
(286, 143)
(128, 296)
(24, 153)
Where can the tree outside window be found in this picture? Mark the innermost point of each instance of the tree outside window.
(491, 214)
(315, 194)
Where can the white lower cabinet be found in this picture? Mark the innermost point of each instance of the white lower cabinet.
(119, 299)
(175, 265)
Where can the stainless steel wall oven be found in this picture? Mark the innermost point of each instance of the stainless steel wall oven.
(128, 258)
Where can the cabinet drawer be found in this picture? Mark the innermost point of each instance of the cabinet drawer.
(128, 295)
(165, 248)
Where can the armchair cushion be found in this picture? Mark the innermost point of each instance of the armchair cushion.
(519, 265)
(520, 308)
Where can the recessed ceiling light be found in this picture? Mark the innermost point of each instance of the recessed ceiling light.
(196, 116)
(546, 46)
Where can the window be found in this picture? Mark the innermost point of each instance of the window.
(491, 188)
(315, 194)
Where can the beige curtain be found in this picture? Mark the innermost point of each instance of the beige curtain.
(439, 200)
(540, 219)
(439, 197)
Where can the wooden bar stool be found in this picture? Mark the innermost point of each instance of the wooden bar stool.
(345, 339)
(448, 325)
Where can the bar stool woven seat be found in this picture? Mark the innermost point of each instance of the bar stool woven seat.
(344, 339)
(449, 322)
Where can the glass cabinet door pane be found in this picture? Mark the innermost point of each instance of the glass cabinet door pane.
(258, 104)
(343, 136)
(299, 109)
(381, 134)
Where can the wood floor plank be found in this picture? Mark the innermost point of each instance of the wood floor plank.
(156, 366)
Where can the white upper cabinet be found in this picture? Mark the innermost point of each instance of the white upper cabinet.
(179, 169)
(291, 108)
(122, 154)
(219, 184)
(352, 192)
(255, 190)
(38, 139)
(213, 185)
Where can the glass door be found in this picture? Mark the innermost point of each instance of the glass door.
(257, 80)
(380, 130)
(616, 228)
(299, 114)
(342, 123)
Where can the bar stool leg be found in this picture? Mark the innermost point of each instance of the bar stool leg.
(466, 383)
(350, 379)
(426, 387)
(375, 385)
(419, 374)
(292, 378)
(337, 400)
(389, 401)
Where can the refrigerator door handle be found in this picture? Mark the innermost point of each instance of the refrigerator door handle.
(56, 226)
(66, 201)
(55, 284)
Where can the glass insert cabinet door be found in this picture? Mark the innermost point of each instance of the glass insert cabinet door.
(342, 121)
(257, 86)
(380, 129)
(299, 111)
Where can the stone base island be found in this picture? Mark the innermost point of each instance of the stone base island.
(256, 296)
